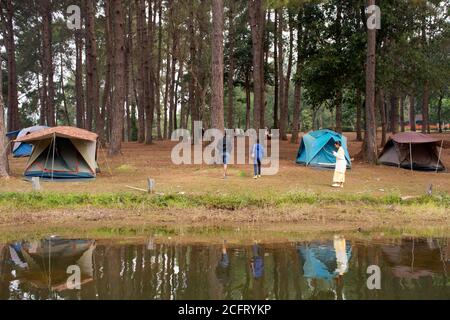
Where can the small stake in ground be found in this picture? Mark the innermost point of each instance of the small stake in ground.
(36, 184)
(151, 185)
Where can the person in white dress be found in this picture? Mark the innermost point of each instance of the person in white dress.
(341, 166)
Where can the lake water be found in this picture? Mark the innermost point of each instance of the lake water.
(336, 268)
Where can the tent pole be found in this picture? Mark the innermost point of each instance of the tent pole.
(46, 160)
(53, 158)
(439, 158)
(410, 156)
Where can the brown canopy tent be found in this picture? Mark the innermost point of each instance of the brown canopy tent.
(62, 153)
(414, 151)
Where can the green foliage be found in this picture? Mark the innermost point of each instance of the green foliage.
(42, 201)
(412, 47)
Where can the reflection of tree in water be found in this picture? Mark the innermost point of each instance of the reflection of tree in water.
(4, 284)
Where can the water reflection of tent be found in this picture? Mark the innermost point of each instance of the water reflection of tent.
(415, 258)
(320, 260)
(44, 263)
(62, 153)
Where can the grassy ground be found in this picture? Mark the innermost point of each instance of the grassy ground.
(296, 198)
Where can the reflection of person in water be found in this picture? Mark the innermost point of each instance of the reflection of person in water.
(223, 267)
(325, 264)
(340, 247)
(257, 263)
(257, 270)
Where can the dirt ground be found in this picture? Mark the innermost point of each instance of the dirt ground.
(140, 161)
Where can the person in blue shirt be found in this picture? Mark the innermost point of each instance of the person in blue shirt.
(257, 156)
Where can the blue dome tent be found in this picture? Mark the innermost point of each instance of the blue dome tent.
(20, 149)
(316, 149)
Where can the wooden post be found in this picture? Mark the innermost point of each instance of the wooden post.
(36, 184)
(151, 185)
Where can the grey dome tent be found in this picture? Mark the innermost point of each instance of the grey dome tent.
(62, 153)
(414, 151)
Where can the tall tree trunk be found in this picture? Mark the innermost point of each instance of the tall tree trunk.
(338, 97)
(439, 112)
(177, 96)
(46, 13)
(382, 107)
(63, 91)
(298, 87)
(141, 36)
(4, 166)
(247, 100)
(426, 85)
(119, 76)
(276, 79)
(370, 143)
(172, 98)
(173, 80)
(184, 110)
(412, 113)
(146, 71)
(150, 105)
(394, 112)
(167, 91)
(265, 52)
(256, 13)
(173, 52)
(297, 111)
(13, 102)
(358, 116)
(79, 90)
(232, 66)
(92, 81)
(338, 105)
(192, 69)
(158, 73)
(425, 108)
(106, 101)
(287, 82)
(42, 88)
(281, 79)
(402, 113)
(128, 66)
(217, 118)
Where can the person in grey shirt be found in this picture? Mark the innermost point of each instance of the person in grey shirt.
(224, 148)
